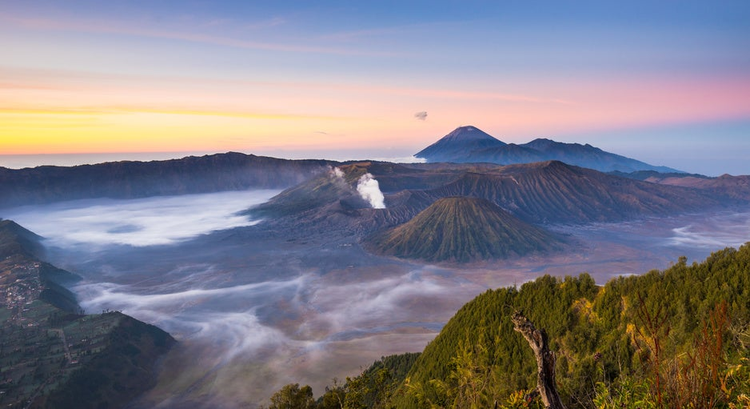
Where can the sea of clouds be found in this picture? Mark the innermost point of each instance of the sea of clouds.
(160, 220)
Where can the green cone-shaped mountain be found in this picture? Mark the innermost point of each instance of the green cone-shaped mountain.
(464, 229)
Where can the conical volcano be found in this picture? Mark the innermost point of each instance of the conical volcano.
(464, 229)
(463, 139)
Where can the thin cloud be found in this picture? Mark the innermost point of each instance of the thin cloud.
(422, 115)
(272, 22)
(356, 35)
(41, 76)
(90, 26)
(144, 110)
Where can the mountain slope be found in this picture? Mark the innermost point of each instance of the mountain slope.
(15, 239)
(460, 147)
(508, 154)
(591, 157)
(52, 356)
(464, 229)
(333, 186)
(554, 192)
(461, 139)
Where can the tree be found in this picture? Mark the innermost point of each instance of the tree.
(293, 397)
(545, 360)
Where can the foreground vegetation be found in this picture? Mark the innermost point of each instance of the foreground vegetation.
(673, 338)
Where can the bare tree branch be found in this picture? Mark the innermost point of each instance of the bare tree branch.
(545, 360)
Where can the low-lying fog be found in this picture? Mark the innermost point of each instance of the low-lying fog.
(254, 310)
(137, 222)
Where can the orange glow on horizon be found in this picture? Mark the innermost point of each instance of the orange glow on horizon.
(103, 116)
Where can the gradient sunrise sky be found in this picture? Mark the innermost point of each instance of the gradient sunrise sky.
(666, 82)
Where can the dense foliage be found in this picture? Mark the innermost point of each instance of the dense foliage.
(673, 338)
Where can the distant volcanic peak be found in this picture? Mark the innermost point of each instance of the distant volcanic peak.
(471, 145)
(462, 140)
(464, 229)
(470, 133)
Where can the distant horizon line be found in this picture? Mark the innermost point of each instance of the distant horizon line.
(31, 160)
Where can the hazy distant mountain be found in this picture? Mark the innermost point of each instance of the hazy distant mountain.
(469, 144)
(464, 229)
(461, 140)
(734, 187)
(76, 361)
(125, 180)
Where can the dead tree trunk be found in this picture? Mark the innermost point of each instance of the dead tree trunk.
(545, 360)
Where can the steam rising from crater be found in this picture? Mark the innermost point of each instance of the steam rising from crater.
(369, 189)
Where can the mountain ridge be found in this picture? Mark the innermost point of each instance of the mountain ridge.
(452, 148)
(538, 194)
(134, 179)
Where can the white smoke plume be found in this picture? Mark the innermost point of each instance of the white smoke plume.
(369, 189)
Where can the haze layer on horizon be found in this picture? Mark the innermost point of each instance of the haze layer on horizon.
(663, 83)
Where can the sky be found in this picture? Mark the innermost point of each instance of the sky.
(664, 82)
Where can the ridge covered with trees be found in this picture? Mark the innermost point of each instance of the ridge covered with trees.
(673, 338)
